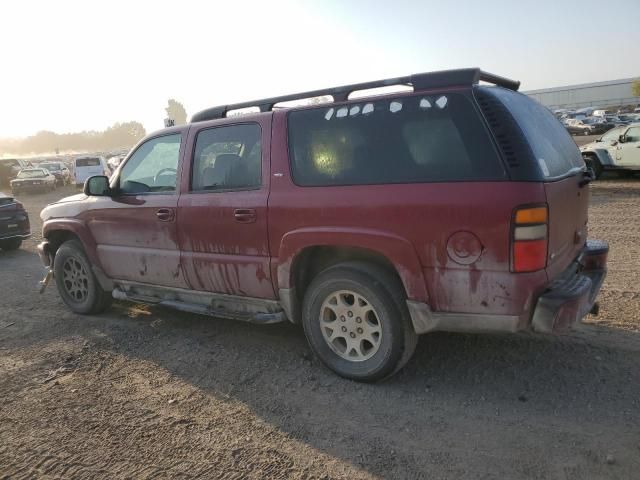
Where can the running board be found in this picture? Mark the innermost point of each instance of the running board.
(262, 318)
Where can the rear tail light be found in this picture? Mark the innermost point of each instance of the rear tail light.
(529, 238)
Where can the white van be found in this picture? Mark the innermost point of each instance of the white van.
(88, 166)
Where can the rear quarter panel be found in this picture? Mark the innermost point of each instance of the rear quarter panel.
(422, 219)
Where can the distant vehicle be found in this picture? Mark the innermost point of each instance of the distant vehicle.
(115, 161)
(628, 117)
(618, 149)
(33, 179)
(599, 125)
(14, 223)
(58, 170)
(577, 127)
(602, 113)
(88, 166)
(9, 168)
(350, 218)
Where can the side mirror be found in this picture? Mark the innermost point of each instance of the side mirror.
(621, 139)
(97, 186)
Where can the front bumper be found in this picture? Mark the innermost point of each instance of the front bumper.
(44, 253)
(572, 296)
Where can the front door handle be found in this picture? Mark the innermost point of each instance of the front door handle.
(245, 215)
(165, 214)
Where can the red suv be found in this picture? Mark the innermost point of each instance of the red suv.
(370, 220)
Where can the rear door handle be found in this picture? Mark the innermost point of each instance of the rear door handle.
(165, 214)
(245, 215)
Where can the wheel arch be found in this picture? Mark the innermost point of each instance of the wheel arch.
(57, 232)
(305, 253)
(601, 155)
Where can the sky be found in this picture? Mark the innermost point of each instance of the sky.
(84, 65)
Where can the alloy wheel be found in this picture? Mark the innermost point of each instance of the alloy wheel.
(350, 325)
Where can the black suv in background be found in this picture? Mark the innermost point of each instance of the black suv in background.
(14, 223)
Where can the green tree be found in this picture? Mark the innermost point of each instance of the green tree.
(635, 88)
(175, 111)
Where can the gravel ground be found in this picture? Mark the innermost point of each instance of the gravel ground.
(151, 393)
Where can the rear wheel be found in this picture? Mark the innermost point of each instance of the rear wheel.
(76, 282)
(356, 321)
(10, 244)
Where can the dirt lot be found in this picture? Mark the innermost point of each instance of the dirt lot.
(140, 393)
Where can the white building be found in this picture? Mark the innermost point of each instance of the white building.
(613, 93)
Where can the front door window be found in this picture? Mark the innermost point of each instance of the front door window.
(153, 167)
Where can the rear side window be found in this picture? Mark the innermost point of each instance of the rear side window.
(87, 162)
(227, 158)
(433, 138)
(551, 144)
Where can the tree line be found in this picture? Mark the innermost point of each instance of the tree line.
(119, 135)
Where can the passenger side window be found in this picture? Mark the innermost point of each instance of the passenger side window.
(432, 138)
(227, 158)
(153, 167)
(633, 134)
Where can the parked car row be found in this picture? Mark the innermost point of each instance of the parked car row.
(588, 121)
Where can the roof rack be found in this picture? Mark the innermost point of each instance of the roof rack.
(419, 81)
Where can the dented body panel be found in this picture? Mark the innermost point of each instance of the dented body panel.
(220, 252)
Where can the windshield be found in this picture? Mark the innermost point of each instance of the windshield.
(32, 174)
(51, 166)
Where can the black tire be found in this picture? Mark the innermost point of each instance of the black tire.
(595, 166)
(10, 244)
(83, 293)
(383, 291)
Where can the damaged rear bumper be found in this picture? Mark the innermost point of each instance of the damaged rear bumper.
(572, 296)
(564, 302)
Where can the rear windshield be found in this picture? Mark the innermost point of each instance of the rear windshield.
(32, 174)
(50, 166)
(419, 138)
(87, 162)
(553, 147)
(6, 201)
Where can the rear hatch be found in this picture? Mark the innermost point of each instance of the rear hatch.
(13, 219)
(542, 150)
(88, 167)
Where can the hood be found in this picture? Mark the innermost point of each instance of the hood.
(593, 146)
(65, 207)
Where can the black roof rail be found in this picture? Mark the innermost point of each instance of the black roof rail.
(419, 81)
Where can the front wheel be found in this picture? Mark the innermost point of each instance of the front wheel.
(356, 321)
(594, 165)
(76, 282)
